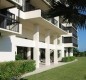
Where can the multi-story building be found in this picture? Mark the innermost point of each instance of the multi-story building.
(25, 30)
(70, 40)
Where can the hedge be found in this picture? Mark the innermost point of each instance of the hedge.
(67, 59)
(14, 69)
(19, 57)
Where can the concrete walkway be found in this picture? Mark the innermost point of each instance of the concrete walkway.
(43, 68)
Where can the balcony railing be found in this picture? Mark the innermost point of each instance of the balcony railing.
(75, 45)
(62, 27)
(69, 40)
(7, 22)
(75, 35)
(52, 20)
(69, 30)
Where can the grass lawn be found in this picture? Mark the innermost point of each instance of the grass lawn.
(73, 71)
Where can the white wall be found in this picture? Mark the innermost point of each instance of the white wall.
(24, 42)
(26, 15)
(7, 48)
(26, 33)
(42, 37)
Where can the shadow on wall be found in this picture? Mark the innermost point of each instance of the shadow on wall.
(5, 44)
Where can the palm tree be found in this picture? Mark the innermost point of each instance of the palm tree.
(70, 10)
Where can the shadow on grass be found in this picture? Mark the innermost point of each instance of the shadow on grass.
(85, 77)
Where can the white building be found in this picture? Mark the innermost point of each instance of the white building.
(26, 31)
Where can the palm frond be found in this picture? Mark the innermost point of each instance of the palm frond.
(70, 11)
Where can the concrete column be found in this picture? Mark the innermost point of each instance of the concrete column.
(71, 52)
(47, 50)
(36, 48)
(13, 46)
(55, 50)
(29, 54)
(39, 56)
(62, 52)
(66, 52)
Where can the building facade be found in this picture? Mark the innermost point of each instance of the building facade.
(25, 30)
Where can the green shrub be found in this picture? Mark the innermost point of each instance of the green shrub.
(19, 57)
(82, 54)
(67, 59)
(14, 69)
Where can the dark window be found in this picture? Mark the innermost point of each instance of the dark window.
(67, 39)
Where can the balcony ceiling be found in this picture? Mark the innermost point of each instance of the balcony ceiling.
(44, 26)
(5, 4)
(49, 26)
(40, 4)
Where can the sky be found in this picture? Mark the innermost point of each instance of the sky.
(82, 39)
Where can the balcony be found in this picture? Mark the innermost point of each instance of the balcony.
(69, 42)
(62, 27)
(52, 20)
(69, 30)
(75, 45)
(9, 24)
(67, 24)
(29, 14)
(28, 7)
(39, 17)
(75, 36)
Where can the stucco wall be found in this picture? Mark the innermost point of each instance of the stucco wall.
(7, 48)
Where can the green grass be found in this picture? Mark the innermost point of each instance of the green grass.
(73, 71)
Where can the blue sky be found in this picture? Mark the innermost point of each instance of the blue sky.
(82, 39)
